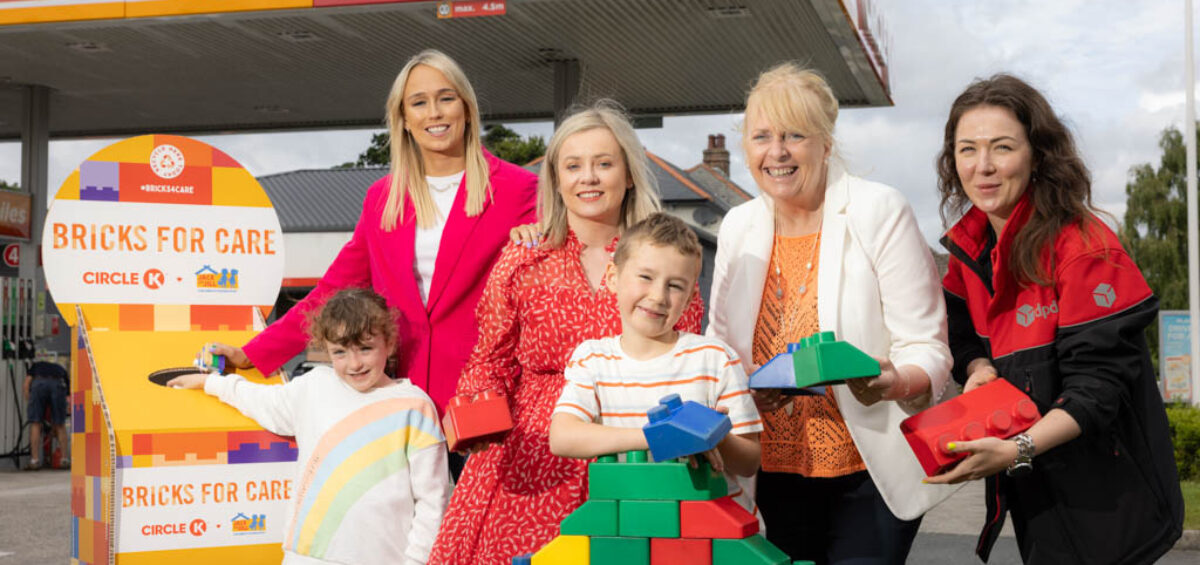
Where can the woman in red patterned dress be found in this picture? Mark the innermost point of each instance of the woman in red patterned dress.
(539, 303)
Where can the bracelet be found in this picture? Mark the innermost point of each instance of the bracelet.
(1023, 464)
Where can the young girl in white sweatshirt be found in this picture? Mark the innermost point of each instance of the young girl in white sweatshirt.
(372, 480)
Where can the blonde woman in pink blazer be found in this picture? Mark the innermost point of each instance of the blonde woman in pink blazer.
(428, 234)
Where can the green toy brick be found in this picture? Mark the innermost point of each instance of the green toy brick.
(648, 518)
(668, 480)
(821, 359)
(619, 551)
(594, 518)
(754, 550)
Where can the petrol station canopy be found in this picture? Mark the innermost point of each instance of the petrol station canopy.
(126, 67)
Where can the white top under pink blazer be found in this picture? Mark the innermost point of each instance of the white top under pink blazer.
(878, 288)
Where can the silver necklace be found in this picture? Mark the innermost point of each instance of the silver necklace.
(445, 185)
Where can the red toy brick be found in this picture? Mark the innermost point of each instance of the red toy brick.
(674, 551)
(722, 518)
(996, 409)
(470, 421)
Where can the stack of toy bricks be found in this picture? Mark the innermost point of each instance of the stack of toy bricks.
(645, 513)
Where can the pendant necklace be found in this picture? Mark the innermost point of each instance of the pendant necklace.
(808, 265)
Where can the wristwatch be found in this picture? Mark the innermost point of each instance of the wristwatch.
(1023, 464)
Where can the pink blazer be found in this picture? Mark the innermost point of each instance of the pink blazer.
(435, 339)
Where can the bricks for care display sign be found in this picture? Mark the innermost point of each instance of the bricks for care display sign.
(153, 247)
(162, 219)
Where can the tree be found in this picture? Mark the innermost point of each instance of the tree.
(5, 185)
(378, 154)
(1155, 226)
(508, 144)
(501, 141)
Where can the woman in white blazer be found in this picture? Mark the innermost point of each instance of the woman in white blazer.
(821, 250)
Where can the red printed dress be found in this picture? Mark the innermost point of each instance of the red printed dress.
(536, 308)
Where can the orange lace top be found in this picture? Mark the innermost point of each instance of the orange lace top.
(808, 436)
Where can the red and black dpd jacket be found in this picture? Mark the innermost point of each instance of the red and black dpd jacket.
(1112, 494)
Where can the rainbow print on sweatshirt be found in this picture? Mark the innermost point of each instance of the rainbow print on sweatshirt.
(359, 452)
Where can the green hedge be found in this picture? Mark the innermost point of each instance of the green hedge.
(1185, 433)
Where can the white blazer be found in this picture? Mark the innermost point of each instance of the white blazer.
(878, 288)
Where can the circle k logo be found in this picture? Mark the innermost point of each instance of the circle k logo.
(197, 527)
(154, 278)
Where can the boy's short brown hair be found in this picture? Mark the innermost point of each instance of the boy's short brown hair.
(659, 229)
(351, 317)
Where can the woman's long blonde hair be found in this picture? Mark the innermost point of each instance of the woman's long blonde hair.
(640, 201)
(408, 168)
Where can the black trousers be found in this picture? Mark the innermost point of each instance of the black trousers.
(839, 520)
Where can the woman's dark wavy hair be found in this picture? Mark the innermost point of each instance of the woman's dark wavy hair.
(1060, 185)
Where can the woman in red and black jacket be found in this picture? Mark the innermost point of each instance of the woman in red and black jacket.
(1040, 292)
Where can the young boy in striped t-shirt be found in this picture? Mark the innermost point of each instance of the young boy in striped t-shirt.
(612, 382)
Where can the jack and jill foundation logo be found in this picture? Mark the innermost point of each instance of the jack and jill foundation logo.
(209, 279)
(166, 161)
(252, 524)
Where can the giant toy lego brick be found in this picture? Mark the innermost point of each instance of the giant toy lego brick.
(674, 551)
(817, 360)
(996, 409)
(722, 518)
(563, 550)
(648, 518)
(636, 479)
(470, 421)
(678, 428)
(754, 550)
(620, 551)
(594, 518)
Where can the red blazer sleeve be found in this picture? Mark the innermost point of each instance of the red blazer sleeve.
(288, 335)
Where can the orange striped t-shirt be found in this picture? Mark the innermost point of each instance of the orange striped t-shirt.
(606, 386)
(808, 436)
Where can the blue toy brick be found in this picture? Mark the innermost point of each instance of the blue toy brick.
(522, 559)
(678, 429)
(776, 373)
(816, 361)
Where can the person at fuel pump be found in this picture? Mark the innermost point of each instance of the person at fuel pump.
(46, 390)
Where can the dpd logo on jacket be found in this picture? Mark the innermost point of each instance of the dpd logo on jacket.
(1026, 314)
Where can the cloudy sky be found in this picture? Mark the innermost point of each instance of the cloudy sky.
(1112, 69)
